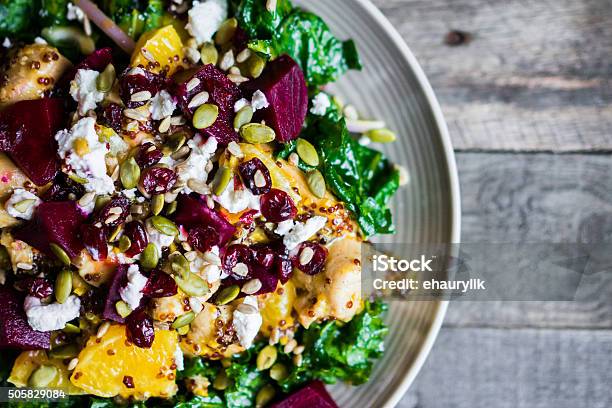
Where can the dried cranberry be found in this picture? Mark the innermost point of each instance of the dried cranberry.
(129, 84)
(148, 155)
(115, 212)
(313, 255)
(140, 328)
(93, 301)
(203, 238)
(158, 180)
(128, 381)
(264, 256)
(282, 266)
(63, 189)
(159, 285)
(94, 238)
(112, 115)
(137, 234)
(234, 255)
(37, 287)
(249, 171)
(193, 211)
(277, 206)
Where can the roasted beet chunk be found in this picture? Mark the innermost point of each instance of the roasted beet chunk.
(138, 80)
(192, 212)
(137, 234)
(63, 189)
(15, 332)
(222, 92)
(96, 61)
(56, 222)
(95, 241)
(313, 395)
(277, 206)
(255, 176)
(113, 296)
(285, 88)
(140, 328)
(159, 285)
(27, 131)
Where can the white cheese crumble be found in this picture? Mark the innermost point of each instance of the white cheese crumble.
(241, 103)
(205, 18)
(7, 43)
(259, 101)
(320, 104)
(194, 167)
(162, 105)
(178, 359)
(235, 201)
(18, 196)
(283, 227)
(50, 317)
(40, 40)
(74, 13)
(247, 324)
(84, 90)
(91, 166)
(158, 239)
(132, 292)
(301, 232)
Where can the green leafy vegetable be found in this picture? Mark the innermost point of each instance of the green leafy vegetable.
(17, 16)
(211, 401)
(136, 17)
(54, 12)
(257, 21)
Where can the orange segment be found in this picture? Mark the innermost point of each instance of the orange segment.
(159, 50)
(103, 366)
(28, 361)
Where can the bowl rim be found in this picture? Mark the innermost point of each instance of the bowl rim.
(455, 202)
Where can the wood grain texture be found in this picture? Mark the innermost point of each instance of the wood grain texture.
(487, 368)
(535, 77)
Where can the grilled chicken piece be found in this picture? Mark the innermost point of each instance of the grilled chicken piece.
(31, 71)
(20, 253)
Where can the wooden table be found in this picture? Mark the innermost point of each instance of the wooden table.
(528, 104)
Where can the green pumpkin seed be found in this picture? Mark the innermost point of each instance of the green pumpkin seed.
(193, 285)
(101, 201)
(149, 257)
(264, 396)
(183, 320)
(175, 141)
(316, 183)
(221, 381)
(24, 205)
(257, 133)
(43, 376)
(129, 172)
(123, 309)
(205, 116)
(157, 204)
(164, 225)
(209, 54)
(279, 372)
(266, 357)
(243, 116)
(63, 352)
(63, 285)
(226, 32)
(105, 80)
(222, 179)
(124, 243)
(60, 253)
(381, 135)
(171, 208)
(183, 330)
(77, 179)
(227, 294)
(307, 152)
(179, 264)
(255, 66)
(71, 329)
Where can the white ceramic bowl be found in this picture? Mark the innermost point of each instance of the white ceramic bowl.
(392, 87)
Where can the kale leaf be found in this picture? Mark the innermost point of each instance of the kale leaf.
(17, 16)
(257, 21)
(135, 17)
(212, 400)
(54, 12)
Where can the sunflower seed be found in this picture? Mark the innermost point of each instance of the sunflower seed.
(294, 159)
(147, 54)
(259, 179)
(243, 55)
(192, 84)
(251, 287)
(25, 266)
(164, 126)
(237, 79)
(227, 61)
(298, 350)
(87, 199)
(212, 258)
(141, 96)
(240, 269)
(136, 115)
(72, 364)
(290, 346)
(198, 99)
(235, 150)
(306, 256)
(177, 120)
(102, 330)
(199, 187)
(235, 70)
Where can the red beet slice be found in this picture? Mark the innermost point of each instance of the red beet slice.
(27, 130)
(113, 296)
(57, 222)
(222, 92)
(96, 61)
(192, 212)
(285, 88)
(15, 332)
(313, 395)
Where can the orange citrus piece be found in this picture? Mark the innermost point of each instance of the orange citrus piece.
(28, 361)
(159, 50)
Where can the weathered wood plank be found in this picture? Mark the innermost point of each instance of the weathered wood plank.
(536, 75)
(484, 368)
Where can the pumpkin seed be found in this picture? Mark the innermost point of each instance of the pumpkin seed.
(105, 80)
(164, 225)
(175, 141)
(257, 133)
(113, 236)
(129, 173)
(266, 358)
(183, 330)
(183, 320)
(205, 116)
(43, 376)
(171, 208)
(123, 309)
(60, 253)
(279, 372)
(255, 66)
(381, 135)
(24, 205)
(221, 381)
(124, 243)
(227, 294)
(307, 152)
(226, 31)
(209, 54)
(193, 285)
(264, 396)
(77, 179)
(243, 116)
(157, 204)
(180, 264)
(101, 201)
(71, 329)
(316, 183)
(63, 352)
(63, 285)
(149, 257)
(222, 179)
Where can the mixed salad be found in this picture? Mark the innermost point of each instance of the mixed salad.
(183, 205)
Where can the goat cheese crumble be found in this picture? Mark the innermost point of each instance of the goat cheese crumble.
(241, 103)
(158, 239)
(297, 232)
(247, 324)
(132, 292)
(19, 196)
(259, 101)
(74, 12)
(162, 105)
(178, 358)
(51, 317)
(205, 18)
(320, 104)
(235, 201)
(194, 167)
(84, 90)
